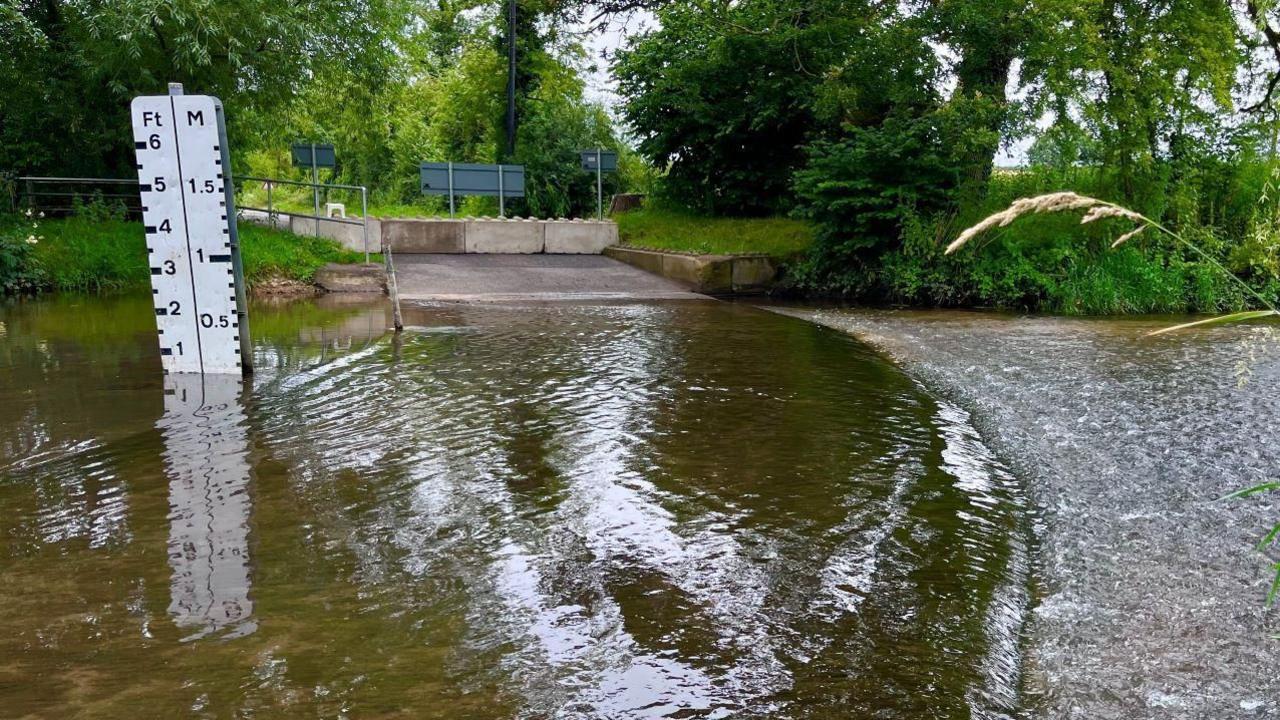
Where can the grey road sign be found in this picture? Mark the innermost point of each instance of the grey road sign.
(453, 179)
(608, 161)
(325, 156)
(599, 161)
(472, 179)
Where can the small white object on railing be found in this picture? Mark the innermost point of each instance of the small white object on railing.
(329, 209)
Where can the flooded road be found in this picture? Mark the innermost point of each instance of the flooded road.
(633, 510)
(1150, 592)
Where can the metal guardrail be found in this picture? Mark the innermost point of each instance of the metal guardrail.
(59, 195)
(128, 190)
(270, 183)
(272, 213)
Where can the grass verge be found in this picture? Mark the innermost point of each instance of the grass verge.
(665, 229)
(80, 254)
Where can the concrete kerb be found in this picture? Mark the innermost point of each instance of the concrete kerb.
(362, 278)
(711, 274)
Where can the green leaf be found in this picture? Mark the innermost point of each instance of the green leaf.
(1233, 317)
(1264, 487)
(1271, 536)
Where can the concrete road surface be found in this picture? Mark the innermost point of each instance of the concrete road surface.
(506, 278)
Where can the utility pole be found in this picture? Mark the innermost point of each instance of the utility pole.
(511, 80)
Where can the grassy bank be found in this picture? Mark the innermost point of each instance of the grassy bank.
(93, 254)
(667, 229)
(1054, 263)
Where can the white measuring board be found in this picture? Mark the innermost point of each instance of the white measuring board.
(189, 215)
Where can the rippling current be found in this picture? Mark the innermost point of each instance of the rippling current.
(638, 510)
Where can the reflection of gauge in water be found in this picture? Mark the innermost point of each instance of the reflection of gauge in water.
(205, 444)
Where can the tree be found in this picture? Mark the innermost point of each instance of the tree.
(724, 95)
(79, 63)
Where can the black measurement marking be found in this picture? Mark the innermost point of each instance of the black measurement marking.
(149, 229)
(156, 271)
(144, 188)
(141, 145)
(166, 351)
(161, 311)
(219, 258)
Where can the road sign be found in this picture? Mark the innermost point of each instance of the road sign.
(606, 161)
(473, 179)
(325, 156)
(314, 156)
(452, 179)
(599, 161)
(189, 216)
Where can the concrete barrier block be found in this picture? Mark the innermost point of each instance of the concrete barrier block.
(753, 274)
(504, 236)
(579, 238)
(424, 236)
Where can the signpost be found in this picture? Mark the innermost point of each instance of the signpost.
(314, 156)
(188, 211)
(600, 161)
(449, 178)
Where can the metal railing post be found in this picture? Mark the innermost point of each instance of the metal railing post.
(502, 205)
(315, 188)
(392, 288)
(599, 187)
(364, 214)
(451, 189)
(271, 215)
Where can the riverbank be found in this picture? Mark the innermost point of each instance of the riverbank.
(675, 231)
(96, 254)
(1151, 600)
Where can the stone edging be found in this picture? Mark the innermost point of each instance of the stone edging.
(710, 274)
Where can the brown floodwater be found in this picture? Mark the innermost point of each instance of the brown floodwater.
(681, 510)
